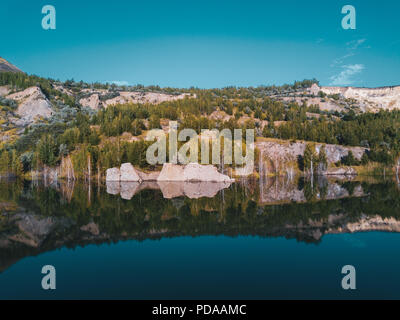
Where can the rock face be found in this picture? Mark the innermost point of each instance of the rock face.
(93, 102)
(113, 174)
(32, 104)
(143, 97)
(284, 154)
(191, 172)
(96, 99)
(372, 99)
(128, 173)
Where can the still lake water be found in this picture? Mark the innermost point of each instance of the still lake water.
(249, 240)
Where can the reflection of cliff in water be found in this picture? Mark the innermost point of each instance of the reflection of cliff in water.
(36, 219)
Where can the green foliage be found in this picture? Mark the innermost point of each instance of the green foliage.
(47, 150)
(349, 160)
(4, 162)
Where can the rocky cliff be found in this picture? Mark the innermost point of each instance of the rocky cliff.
(278, 156)
(32, 104)
(96, 99)
(370, 99)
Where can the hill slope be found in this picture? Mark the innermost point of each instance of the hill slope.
(5, 66)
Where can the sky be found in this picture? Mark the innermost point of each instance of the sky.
(205, 44)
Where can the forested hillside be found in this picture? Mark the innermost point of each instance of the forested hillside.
(110, 134)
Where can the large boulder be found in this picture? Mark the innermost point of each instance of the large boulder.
(171, 172)
(198, 172)
(128, 173)
(191, 172)
(113, 174)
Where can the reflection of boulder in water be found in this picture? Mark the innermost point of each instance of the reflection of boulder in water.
(192, 190)
(197, 190)
(113, 187)
(171, 189)
(129, 189)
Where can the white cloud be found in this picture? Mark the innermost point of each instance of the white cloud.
(351, 48)
(353, 45)
(345, 76)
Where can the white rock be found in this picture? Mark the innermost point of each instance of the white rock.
(93, 102)
(198, 172)
(171, 172)
(32, 104)
(113, 174)
(128, 173)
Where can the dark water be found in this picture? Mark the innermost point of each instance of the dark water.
(275, 239)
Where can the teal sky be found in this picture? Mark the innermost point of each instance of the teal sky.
(205, 43)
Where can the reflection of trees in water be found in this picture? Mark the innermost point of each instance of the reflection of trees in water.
(238, 210)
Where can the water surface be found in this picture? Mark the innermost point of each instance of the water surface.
(271, 239)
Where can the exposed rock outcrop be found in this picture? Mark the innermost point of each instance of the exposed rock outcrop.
(370, 99)
(32, 104)
(192, 172)
(279, 155)
(92, 102)
(143, 97)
